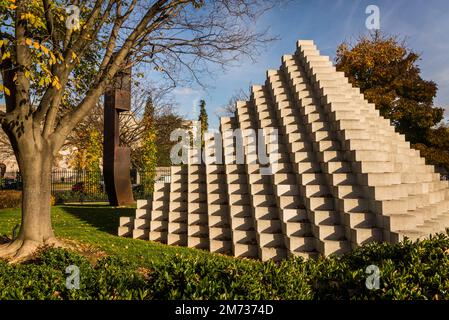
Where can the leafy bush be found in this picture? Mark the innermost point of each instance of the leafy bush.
(409, 270)
(45, 278)
(62, 197)
(10, 199)
(193, 277)
(66, 196)
(139, 192)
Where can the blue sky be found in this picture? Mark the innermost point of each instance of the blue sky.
(424, 23)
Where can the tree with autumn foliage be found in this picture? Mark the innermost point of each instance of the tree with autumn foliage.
(149, 149)
(59, 56)
(93, 152)
(388, 74)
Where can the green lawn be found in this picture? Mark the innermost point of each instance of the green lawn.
(96, 225)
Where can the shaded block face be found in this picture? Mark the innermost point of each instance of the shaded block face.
(343, 176)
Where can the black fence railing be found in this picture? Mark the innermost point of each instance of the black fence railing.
(78, 185)
(87, 186)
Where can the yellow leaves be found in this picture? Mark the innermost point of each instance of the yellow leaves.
(28, 16)
(42, 81)
(5, 90)
(74, 56)
(12, 6)
(33, 20)
(45, 49)
(56, 83)
(35, 44)
(6, 55)
(8, 4)
(52, 58)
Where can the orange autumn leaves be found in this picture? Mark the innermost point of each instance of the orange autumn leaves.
(388, 74)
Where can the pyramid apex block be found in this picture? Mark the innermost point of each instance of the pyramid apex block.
(301, 43)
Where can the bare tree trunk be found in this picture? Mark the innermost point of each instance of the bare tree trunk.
(36, 220)
(36, 228)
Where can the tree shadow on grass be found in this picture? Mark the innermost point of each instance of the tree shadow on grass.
(103, 217)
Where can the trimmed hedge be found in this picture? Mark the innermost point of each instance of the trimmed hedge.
(10, 199)
(409, 270)
(45, 278)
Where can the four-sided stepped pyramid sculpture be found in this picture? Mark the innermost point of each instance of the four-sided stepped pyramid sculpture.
(344, 178)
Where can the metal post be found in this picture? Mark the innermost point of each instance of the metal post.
(117, 159)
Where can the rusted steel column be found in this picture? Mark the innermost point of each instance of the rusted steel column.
(117, 159)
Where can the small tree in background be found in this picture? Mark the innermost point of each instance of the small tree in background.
(387, 73)
(166, 124)
(149, 149)
(229, 109)
(87, 156)
(204, 125)
(94, 153)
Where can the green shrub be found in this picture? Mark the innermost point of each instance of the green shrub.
(194, 277)
(62, 197)
(10, 199)
(408, 270)
(45, 278)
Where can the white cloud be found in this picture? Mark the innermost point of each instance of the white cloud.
(184, 91)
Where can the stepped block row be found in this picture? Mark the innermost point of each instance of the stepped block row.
(337, 176)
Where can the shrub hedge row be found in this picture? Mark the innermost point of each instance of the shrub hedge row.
(409, 270)
(10, 199)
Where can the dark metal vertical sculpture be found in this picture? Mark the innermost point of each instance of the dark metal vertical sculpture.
(117, 159)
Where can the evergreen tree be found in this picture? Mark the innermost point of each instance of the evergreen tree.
(203, 120)
(149, 148)
(166, 124)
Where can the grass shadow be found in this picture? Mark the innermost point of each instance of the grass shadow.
(103, 217)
